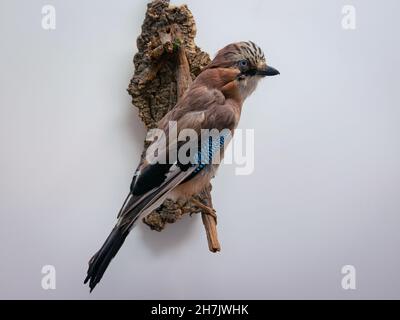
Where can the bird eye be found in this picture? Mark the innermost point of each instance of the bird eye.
(243, 63)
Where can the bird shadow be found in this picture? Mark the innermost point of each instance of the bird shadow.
(173, 236)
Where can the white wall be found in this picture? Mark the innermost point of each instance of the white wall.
(325, 188)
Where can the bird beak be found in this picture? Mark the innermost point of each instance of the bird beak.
(267, 71)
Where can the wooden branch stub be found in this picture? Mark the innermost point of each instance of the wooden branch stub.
(210, 223)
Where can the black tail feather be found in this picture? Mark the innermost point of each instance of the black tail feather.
(100, 261)
(133, 207)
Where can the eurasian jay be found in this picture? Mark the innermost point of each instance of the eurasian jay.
(213, 101)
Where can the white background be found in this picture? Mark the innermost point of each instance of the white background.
(325, 191)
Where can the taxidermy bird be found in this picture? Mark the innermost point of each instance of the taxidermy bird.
(213, 101)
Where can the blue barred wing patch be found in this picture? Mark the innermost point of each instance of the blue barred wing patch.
(209, 149)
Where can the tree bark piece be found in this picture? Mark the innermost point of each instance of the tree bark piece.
(166, 63)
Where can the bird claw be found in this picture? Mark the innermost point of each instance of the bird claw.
(205, 209)
(212, 213)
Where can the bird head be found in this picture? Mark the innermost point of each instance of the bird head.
(249, 59)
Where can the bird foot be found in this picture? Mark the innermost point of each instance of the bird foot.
(205, 209)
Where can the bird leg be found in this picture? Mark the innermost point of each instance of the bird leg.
(204, 208)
